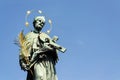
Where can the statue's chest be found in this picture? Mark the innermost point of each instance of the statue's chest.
(32, 38)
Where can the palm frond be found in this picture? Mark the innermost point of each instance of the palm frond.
(22, 43)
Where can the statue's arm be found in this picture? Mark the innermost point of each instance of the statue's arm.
(22, 62)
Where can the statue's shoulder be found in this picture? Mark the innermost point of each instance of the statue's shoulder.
(29, 33)
(44, 35)
(30, 36)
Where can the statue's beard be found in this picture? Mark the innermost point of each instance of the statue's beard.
(38, 28)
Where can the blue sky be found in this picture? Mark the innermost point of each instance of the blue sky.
(89, 29)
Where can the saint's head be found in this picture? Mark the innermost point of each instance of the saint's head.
(39, 23)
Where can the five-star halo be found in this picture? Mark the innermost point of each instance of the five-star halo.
(40, 12)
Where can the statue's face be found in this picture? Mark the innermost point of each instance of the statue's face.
(39, 23)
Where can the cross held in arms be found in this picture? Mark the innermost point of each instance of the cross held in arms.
(43, 37)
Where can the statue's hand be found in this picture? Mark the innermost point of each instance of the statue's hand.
(25, 67)
(48, 46)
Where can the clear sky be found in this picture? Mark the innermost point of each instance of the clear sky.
(89, 29)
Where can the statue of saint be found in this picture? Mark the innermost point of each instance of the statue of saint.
(38, 52)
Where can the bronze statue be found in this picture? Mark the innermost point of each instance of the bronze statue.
(38, 52)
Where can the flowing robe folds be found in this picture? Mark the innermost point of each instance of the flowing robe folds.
(44, 67)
